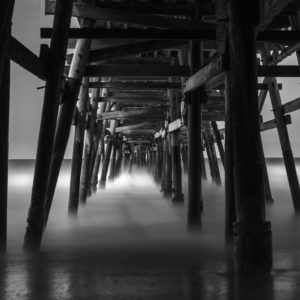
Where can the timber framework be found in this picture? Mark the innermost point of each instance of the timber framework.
(145, 83)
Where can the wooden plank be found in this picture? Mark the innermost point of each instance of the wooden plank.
(138, 132)
(89, 11)
(143, 86)
(131, 127)
(291, 106)
(122, 115)
(133, 33)
(130, 100)
(206, 73)
(278, 71)
(175, 125)
(106, 49)
(22, 56)
(132, 70)
(272, 123)
(206, 7)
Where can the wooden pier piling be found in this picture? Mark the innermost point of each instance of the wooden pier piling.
(80, 125)
(253, 242)
(55, 69)
(194, 127)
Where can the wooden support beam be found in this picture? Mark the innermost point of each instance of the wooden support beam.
(175, 147)
(159, 7)
(291, 106)
(132, 70)
(205, 74)
(66, 115)
(172, 34)
(134, 48)
(4, 142)
(278, 71)
(141, 86)
(80, 125)
(22, 56)
(56, 59)
(133, 33)
(112, 163)
(134, 99)
(138, 132)
(132, 127)
(218, 139)
(119, 16)
(283, 135)
(96, 144)
(253, 246)
(194, 125)
(84, 190)
(122, 115)
(175, 125)
(268, 125)
(6, 12)
(113, 125)
(99, 158)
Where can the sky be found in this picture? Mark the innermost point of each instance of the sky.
(26, 100)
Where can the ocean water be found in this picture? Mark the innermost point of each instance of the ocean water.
(128, 242)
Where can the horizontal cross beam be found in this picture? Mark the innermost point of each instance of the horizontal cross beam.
(144, 34)
(170, 34)
(134, 70)
(145, 100)
(121, 85)
(89, 11)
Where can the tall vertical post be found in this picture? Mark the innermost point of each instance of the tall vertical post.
(230, 209)
(86, 165)
(194, 123)
(113, 125)
(4, 135)
(80, 126)
(175, 148)
(66, 114)
(112, 164)
(167, 188)
(99, 156)
(55, 69)
(283, 134)
(252, 242)
(218, 139)
(6, 12)
(204, 176)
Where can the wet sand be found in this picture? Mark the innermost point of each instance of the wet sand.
(130, 243)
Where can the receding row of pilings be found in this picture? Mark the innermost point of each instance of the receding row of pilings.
(246, 182)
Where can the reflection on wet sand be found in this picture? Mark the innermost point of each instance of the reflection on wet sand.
(129, 243)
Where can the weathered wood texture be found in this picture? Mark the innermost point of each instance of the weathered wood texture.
(143, 86)
(84, 190)
(89, 11)
(80, 125)
(54, 69)
(175, 148)
(283, 136)
(66, 115)
(194, 126)
(247, 167)
(6, 12)
(22, 56)
(104, 70)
